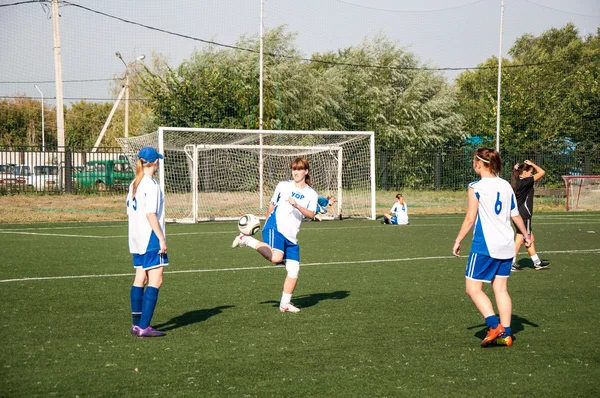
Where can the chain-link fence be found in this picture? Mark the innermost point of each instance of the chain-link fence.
(31, 170)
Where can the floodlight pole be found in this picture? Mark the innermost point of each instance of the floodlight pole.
(124, 90)
(260, 107)
(127, 66)
(43, 134)
(499, 77)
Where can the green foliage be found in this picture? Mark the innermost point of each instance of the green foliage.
(84, 121)
(550, 96)
(21, 123)
(407, 108)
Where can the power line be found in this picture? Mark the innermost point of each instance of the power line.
(64, 81)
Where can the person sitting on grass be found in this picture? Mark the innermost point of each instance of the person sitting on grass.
(398, 215)
(322, 204)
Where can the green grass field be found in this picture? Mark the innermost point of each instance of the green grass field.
(384, 313)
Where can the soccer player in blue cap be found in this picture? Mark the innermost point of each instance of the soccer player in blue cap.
(147, 242)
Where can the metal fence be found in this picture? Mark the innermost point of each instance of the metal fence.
(79, 172)
(31, 170)
(452, 170)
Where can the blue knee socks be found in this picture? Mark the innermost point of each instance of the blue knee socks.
(136, 296)
(148, 305)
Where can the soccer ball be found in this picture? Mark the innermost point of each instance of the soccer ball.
(249, 224)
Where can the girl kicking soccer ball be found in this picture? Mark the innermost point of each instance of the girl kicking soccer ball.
(292, 201)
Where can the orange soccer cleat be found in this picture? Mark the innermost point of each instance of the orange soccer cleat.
(492, 335)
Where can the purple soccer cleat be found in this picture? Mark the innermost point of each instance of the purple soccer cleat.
(150, 332)
(135, 330)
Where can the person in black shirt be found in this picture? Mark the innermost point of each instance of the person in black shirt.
(522, 181)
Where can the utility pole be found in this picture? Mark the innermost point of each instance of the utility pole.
(60, 116)
(43, 134)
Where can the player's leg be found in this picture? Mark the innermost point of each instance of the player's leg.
(537, 262)
(503, 302)
(518, 243)
(271, 249)
(292, 267)
(154, 266)
(482, 269)
(386, 218)
(136, 297)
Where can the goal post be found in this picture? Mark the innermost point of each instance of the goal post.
(582, 192)
(221, 174)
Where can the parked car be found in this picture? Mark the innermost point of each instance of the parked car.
(6, 170)
(105, 174)
(26, 177)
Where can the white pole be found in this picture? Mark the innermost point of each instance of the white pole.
(126, 102)
(43, 134)
(373, 185)
(499, 77)
(127, 66)
(260, 62)
(60, 116)
(108, 119)
(260, 107)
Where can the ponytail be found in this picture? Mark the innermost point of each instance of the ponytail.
(139, 174)
(519, 169)
(491, 159)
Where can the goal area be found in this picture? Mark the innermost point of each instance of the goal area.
(582, 192)
(221, 174)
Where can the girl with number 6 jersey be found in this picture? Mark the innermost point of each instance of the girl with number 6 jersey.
(491, 206)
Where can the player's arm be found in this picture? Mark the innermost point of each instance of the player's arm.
(518, 220)
(152, 200)
(539, 172)
(270, 209)
(303, 210)
(153, 220)
(468, 221)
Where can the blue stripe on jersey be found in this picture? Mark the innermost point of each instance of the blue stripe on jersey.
(512, 202)
(153, 243)
(479, 244)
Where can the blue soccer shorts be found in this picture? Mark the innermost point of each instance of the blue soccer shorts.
(150, 260)
(483, 268)
(273, 238)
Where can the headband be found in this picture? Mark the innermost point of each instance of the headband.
(482, 159)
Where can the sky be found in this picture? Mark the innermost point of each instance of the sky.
(442, 33)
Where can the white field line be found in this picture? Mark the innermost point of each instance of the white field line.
(379, 261)
(23, 232)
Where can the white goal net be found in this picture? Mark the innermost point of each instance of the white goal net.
(221, 174)
(582, 192)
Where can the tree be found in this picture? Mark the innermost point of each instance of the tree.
(550, 93)
(21, 120)
(84, 121)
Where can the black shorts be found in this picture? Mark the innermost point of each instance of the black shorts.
(527, 222)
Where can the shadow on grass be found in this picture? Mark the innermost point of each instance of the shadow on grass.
(527, 263)
(308, 300)
(191, 317)
(516, 325)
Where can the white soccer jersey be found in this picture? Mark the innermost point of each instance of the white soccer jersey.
(492, 232)
(148, 199)
(401, 212)
(285, 218)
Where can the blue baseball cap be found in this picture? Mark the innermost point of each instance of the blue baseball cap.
(149, 154)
